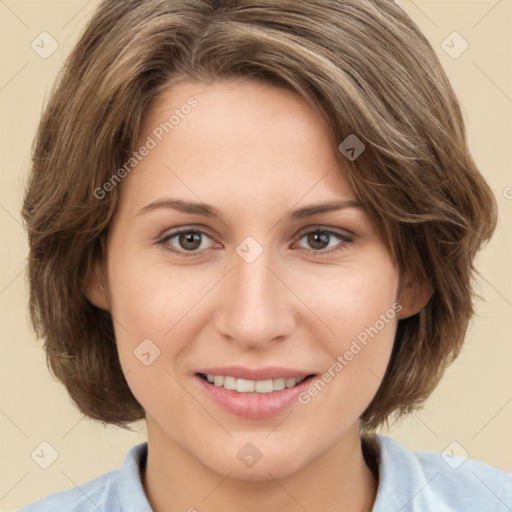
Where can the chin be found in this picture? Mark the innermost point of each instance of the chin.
(263, 471)
(245, 461)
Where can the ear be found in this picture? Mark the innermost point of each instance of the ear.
(96, 289)
(413, 296)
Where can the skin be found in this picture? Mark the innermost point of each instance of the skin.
(255, 152)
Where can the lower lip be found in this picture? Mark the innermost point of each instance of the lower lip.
(254, 405)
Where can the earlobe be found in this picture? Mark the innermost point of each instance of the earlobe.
(96, 289)
(413, 297)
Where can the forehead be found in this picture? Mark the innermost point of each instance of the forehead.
(241, 138)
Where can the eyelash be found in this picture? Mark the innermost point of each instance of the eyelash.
(344, 239)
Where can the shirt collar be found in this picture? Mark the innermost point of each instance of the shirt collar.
(130, 488)
(391, 494)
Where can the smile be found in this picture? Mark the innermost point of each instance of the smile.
(253, 393)
(252, 386)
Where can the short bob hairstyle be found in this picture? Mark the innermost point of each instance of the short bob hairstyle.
(362, 65)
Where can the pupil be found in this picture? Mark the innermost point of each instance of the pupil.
(190, 241)
(318, 240)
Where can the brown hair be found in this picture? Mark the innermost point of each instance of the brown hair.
(362, 65)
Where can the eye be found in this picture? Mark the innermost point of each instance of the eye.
(321, 239)
(186, 241)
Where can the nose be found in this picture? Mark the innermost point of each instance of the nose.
(258, 308)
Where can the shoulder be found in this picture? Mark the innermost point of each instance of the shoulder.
(430, 481)
(109, 492)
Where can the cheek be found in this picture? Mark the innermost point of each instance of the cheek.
(152, 297)
(152, 307)
(160, 303)
(359, 306)
(353, 298)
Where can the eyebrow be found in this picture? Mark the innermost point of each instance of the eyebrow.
(206, 210)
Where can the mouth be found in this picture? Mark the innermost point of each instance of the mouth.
(248, 386)
(269, 392)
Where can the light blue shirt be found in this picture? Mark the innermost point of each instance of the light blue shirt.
(408, 482)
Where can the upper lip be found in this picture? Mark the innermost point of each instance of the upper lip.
(267, 373)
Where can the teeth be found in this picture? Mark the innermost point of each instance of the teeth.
(229, 383)
(264, 386)
(252, 386)
(245, 386)
(290, 383)
(279, 384)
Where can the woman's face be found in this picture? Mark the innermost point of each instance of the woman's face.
(248, 291)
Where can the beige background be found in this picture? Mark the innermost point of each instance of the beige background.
(473, 404)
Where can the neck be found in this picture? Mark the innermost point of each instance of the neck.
(336, 481)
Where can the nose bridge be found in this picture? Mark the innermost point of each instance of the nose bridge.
(257, 305)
